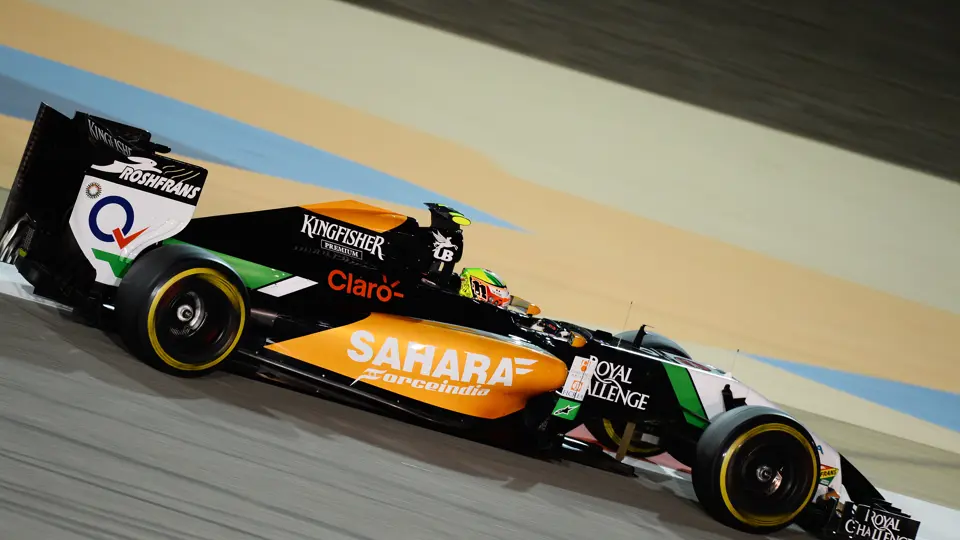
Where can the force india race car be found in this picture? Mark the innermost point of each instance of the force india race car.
(363, 302)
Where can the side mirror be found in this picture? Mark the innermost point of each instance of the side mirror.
(525, 306)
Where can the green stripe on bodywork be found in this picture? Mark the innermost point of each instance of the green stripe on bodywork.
(687, 395)
(253, 275)
(118, 264)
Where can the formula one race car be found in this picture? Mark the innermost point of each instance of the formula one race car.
(360, 301)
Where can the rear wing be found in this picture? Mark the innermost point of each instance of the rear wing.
(59, 150)
(96, 192)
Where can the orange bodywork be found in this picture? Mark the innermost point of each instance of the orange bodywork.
(364, 215)
(455, 368)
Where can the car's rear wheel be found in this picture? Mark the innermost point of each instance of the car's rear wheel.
(756, 469)
(181, 310)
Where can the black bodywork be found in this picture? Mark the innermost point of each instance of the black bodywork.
(421, 285)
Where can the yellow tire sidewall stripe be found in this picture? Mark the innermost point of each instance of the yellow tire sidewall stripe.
(757, 521)
(219, 281)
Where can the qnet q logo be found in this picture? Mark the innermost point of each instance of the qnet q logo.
(121, 235)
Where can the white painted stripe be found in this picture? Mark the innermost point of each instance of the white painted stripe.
(936, 522)
(13, 284)
(287, 286)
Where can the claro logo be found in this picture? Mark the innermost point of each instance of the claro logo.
(345, 282)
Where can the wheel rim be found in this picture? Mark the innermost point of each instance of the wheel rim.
(195, 320)
(768, 475)
(636, 447)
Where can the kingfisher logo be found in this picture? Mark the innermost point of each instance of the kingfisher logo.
(342, 240)
(104, 136)
(121, 235)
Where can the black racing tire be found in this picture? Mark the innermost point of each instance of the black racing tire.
(731, 480)
(175, 282)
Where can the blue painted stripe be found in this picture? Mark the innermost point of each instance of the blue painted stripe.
(935, 406)
(21, 101)
(26, 79)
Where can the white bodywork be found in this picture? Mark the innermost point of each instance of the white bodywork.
(124, 207)
(709, 383)
(709, 386)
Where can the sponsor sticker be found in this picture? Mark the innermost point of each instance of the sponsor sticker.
(612, 382)
(97, 133)
(93, 190)
(346, 282)
(445, 387)
(443, 247)
(566, 409)
(121, 235)
(457, 369)
(341, 240)
(827, 474)
(578, 378)
(313, 250)
(868, 523)
(424, 360)
(143, 173)
(112, 221)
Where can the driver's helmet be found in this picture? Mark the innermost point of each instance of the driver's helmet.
(483, 285)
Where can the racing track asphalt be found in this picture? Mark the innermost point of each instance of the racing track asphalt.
(96, 445)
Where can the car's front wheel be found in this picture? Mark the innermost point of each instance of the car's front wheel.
(181, 310)
(756, 469)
